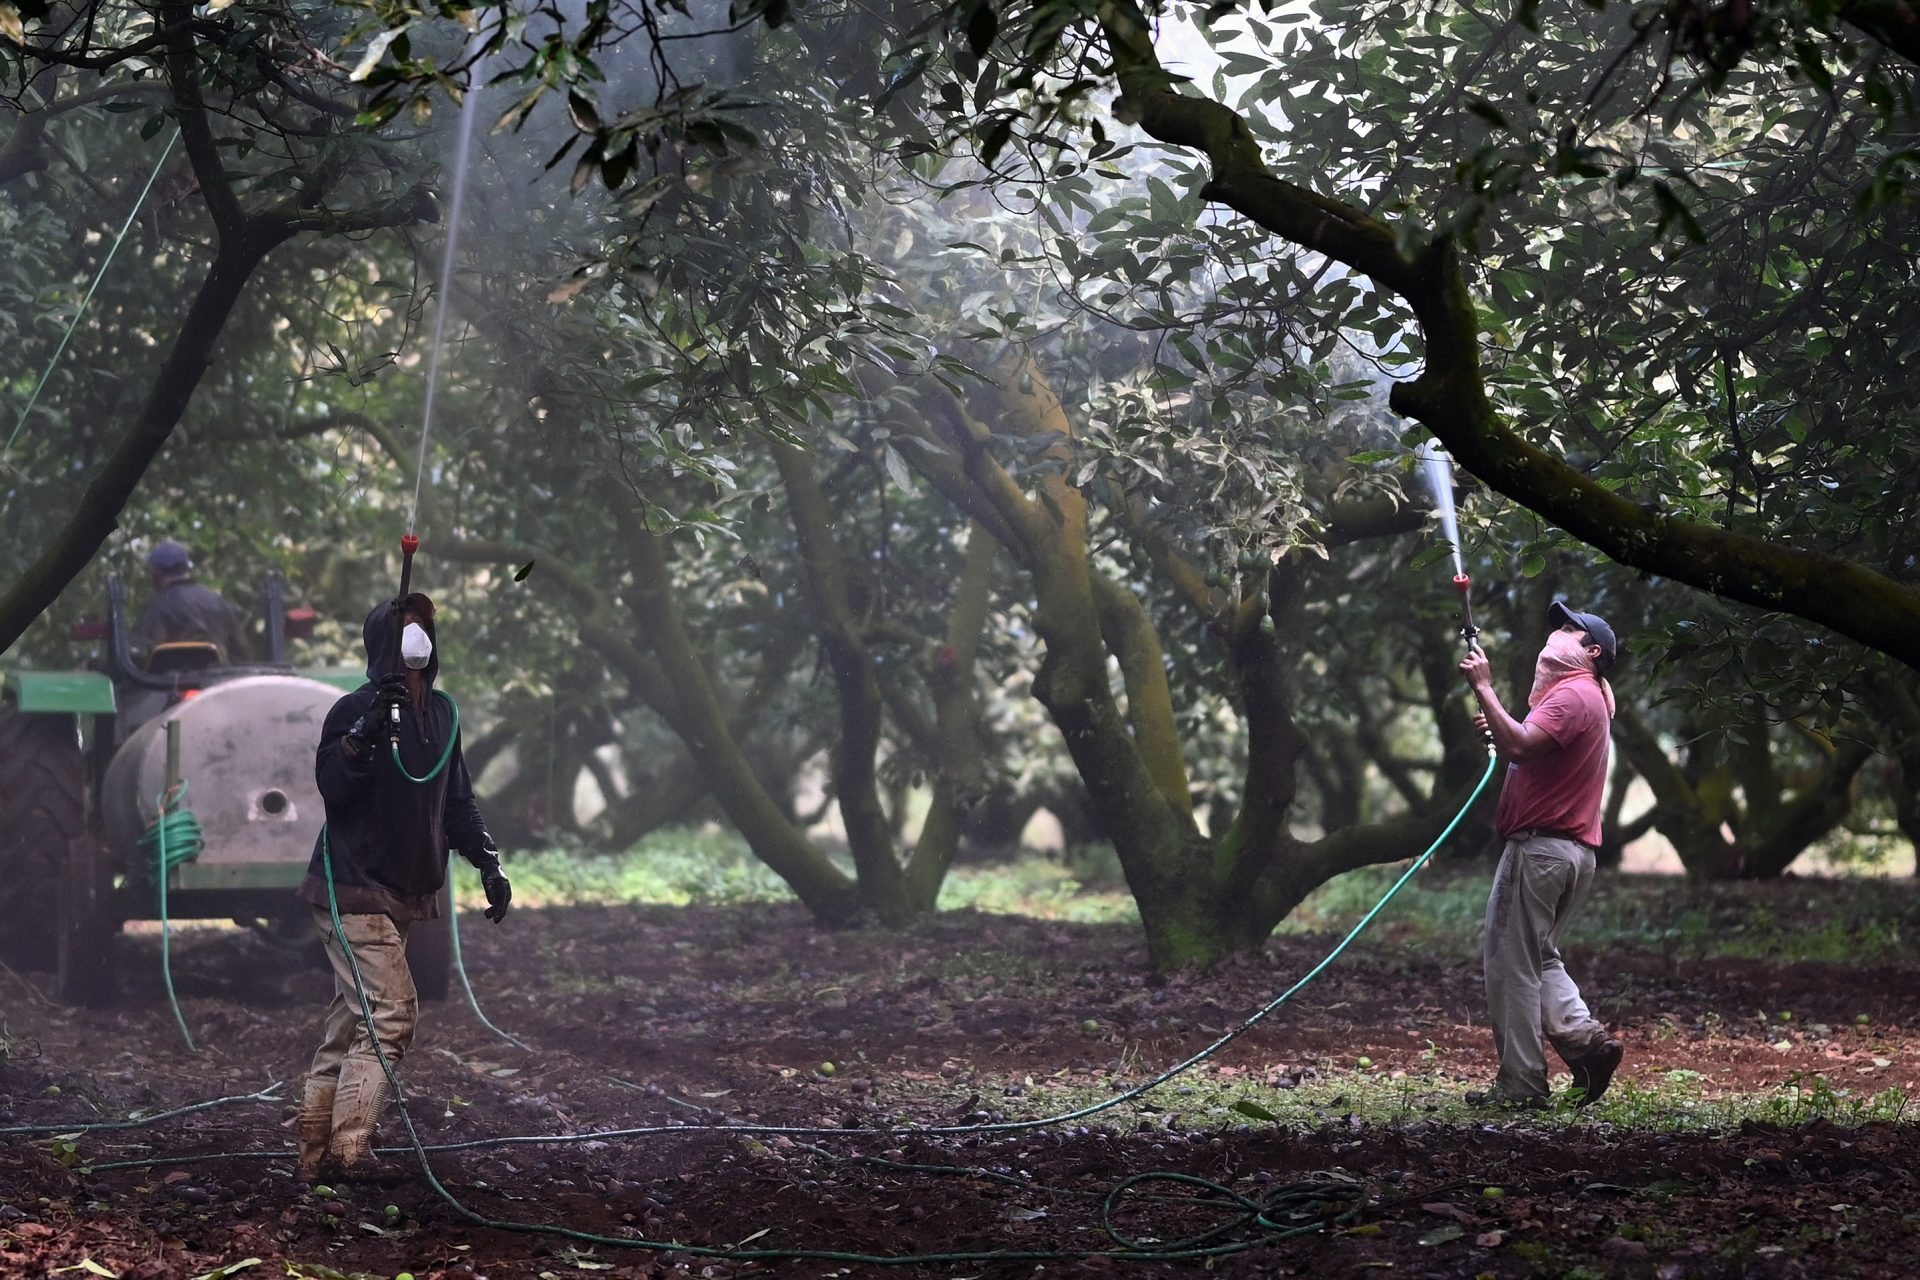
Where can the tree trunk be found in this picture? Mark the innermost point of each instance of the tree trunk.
(1200, 899)
(956, 722)
(854, 753)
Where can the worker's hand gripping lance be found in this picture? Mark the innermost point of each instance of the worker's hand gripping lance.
(408, 545)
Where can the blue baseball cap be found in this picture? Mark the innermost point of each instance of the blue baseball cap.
(1593, 624)
(169, 557)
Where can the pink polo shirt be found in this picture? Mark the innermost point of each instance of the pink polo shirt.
(1561, 790)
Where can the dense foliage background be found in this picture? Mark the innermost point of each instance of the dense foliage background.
(911, 417)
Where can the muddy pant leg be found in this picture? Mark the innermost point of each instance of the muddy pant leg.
(343, 1011)
(321, 1087)
(377, 987)
(1528, 887)
(380, 952)
(1570, 1028)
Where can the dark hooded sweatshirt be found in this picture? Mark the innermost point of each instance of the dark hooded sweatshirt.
(389, 836)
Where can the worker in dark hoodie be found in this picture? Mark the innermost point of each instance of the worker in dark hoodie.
(389, 826)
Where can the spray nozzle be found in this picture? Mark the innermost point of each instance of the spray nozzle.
(1468, 632)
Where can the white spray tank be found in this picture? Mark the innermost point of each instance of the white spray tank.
(246, 754)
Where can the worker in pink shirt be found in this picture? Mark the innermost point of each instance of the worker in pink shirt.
(1549, 821)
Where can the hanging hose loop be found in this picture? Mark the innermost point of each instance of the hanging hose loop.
(453, 737)
(174, 838)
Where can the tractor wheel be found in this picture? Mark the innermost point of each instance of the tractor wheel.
(430, 951)
(43, 812)
(87, 926)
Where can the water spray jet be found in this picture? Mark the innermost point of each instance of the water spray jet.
(1439, 473)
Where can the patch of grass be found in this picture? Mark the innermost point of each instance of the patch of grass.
(681, 867)
(1840, 921)
(1844, 921)
(1315, 1096)
(1040, 888)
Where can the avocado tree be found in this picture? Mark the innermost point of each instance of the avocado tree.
(267, 133)
(1530, 109)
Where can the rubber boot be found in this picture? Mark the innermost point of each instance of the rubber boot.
(316, 1126)
(357, 1106)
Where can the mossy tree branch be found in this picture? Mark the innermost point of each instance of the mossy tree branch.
(1449, 396)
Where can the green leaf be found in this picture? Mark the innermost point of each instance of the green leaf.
(1441, 1235)
(1255, 1111)
(896, 467)
(983, 24)
(1673, 210)
(911, 70)
(585, 118)
(378, 114)
(1490, 113)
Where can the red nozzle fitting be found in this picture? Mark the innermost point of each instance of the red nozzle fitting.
(408, 544)
(1462, 581)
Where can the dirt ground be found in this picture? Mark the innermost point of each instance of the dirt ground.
(657, 1017)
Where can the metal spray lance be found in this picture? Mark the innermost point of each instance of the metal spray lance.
(409, 544)
(1470, 634)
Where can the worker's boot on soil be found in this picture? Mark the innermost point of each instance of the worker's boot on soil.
(1593, 1071)
(316, 1127)
(357, 1106)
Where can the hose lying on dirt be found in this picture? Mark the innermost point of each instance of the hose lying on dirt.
(1285, 1211)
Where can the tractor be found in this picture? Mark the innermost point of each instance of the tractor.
(90, 760)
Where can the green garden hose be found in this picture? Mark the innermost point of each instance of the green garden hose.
(81, 310)
(1290, 1210)
(453, 915)
(453, 736)
(173, 839)
(460, 967)
(1191, 1248)
(268, 1094)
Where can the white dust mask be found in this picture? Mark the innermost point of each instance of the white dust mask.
(416, 649)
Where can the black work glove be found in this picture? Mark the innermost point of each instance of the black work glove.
(365, 735)
(499, 890)
(392, 691)
(499, 894)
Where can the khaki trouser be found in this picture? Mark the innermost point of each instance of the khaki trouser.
(380, 947)
(1541, 882)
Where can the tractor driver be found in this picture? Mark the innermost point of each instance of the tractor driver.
(386, 841)
(1549, 819)
(182, 609)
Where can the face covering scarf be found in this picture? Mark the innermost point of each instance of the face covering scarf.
(1563, 657)
(416, 650)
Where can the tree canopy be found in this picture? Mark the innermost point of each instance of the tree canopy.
(994, 404)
